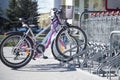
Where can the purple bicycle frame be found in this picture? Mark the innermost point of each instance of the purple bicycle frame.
(54, 24)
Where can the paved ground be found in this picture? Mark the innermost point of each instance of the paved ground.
(45, 70)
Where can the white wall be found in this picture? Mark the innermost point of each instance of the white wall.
(57, 3)
(45, 6)
(69, 2)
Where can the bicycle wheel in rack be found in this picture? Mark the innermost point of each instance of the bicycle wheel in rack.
(70, 40)
(14, 55)
(57, 55)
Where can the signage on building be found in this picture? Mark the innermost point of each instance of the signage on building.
(112, 4)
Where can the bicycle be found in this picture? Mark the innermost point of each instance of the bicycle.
(24, 46)
(74, 42)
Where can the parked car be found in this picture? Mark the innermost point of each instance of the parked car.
(34, 29)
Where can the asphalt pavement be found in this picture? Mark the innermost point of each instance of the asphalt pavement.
(46, 69)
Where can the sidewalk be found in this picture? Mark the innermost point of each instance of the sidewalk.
(48, 69)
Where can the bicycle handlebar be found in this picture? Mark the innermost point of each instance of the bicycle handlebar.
(57, 11)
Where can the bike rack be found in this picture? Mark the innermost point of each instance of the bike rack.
(102, 56)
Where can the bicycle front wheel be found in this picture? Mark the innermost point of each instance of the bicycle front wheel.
(70, 40)
(14, 55)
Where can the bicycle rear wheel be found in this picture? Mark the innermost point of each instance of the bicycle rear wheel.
(70, 40)
(14, 55)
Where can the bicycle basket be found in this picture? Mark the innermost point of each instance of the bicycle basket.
(67, 12)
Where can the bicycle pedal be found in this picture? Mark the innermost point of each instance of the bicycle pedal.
(45, 57)
(34, 59)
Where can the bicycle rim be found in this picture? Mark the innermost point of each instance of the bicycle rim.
(69, 44)
(16, 56)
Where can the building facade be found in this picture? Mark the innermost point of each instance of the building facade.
(90, 5)
(80, 6)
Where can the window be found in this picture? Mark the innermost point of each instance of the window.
(77, 3)
(98, 5)
(85, 16)
(86, 3)
(63, 2)
(76, 17)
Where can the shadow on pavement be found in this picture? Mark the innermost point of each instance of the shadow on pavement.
(46, 68)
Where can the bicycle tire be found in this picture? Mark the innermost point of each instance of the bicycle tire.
(56, 54)
(5, 44)
(54, 51)
(81, 34)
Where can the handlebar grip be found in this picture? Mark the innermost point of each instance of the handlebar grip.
(54, 9)
(57, 10)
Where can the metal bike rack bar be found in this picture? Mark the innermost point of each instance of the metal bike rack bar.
(102, 29)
